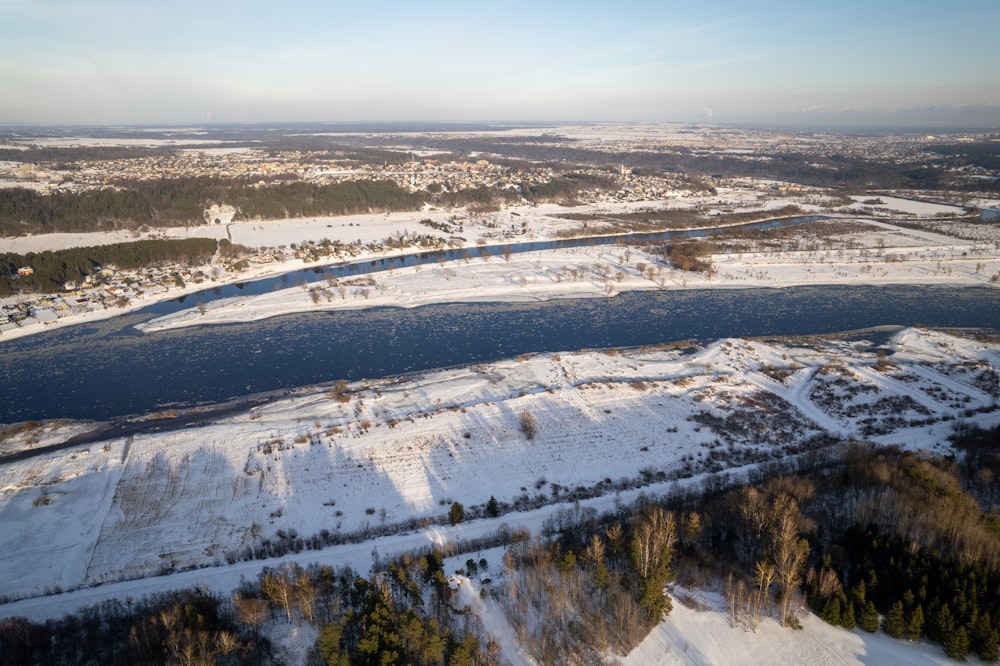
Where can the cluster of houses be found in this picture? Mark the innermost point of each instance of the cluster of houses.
(415, 174)
(96, 174)
(107, 288)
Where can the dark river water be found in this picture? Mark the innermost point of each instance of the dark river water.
(107, 369)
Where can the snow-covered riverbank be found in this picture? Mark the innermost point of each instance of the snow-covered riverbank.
(881, 253)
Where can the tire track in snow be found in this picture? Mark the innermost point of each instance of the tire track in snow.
(887, 384)
(940, 379)
(797, 395)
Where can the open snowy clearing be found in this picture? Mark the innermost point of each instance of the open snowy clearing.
(698, 633)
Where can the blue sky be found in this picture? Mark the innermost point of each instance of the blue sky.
(112, 61)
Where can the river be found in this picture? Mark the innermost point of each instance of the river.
(106, 369)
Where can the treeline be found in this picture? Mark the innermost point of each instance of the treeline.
(185, 627)
(64, 158)
(405, 614)
(920, 592)
(183, 201)
(983, 154)
(306, 199)
(52, 269)
(481, 197)
(25, 211)
(571, 600)
(838, 170)
(868, 537)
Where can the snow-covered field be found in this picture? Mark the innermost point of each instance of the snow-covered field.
(381, 454)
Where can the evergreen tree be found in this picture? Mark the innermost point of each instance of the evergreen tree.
(989, 650)
(456, 514)
(492, 507)
(956, 644)
(915, 625)
(943, 625)
(894, 623)
(983, 638)
(831, 611)
(858, 593)
(601, 576)
(868, 617)
(328, 645)
(847, 616)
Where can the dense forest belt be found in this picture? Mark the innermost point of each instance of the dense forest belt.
(182, 201)
(52, 269)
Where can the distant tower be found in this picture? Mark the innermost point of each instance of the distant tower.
(622, 168)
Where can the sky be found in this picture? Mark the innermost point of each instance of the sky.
(186, 62)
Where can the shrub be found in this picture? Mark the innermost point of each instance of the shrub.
(529, 425)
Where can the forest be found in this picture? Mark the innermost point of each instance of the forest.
(181, 202)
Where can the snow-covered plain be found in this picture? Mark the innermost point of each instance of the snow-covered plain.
(348, 458)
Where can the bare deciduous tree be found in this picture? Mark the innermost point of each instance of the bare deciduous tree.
(789, 553)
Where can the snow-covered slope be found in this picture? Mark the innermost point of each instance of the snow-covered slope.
(699, 634)
(379, 456)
